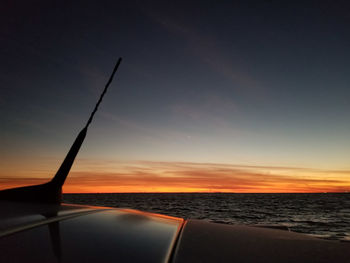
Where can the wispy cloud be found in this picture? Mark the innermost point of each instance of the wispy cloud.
(145, 176)
(148, 132)
(207, 50)
(175, 176)
(213, 109)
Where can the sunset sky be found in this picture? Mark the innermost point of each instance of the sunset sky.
(210, 97)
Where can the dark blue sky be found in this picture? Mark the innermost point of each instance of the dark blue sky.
(258, 83)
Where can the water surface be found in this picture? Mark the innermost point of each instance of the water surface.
(322, 215)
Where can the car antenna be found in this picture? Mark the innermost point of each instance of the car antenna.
(51, 192)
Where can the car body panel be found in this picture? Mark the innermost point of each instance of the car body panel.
(92, 234)
(16, 216)
(202, 241)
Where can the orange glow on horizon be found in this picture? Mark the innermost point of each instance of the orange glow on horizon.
(163, 177)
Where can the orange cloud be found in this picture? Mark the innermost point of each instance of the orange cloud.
(103, 177)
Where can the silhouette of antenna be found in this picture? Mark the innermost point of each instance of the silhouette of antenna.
(51, 192)
(104, 92)
(64, 169)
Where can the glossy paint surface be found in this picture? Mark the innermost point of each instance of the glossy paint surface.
(114, 235)
(16, 216)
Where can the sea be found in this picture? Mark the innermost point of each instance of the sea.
(325, 215)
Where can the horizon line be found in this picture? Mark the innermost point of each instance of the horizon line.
(346, 192)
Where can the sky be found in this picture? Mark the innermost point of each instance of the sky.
(211, 96)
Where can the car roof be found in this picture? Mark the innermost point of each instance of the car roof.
(66, 233)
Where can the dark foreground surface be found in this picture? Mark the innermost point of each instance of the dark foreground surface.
(322, 215)
(33, 232)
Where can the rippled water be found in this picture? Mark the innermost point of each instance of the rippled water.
(323, 215)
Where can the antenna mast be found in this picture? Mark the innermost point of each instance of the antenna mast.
(51, 192)
(103, 93)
